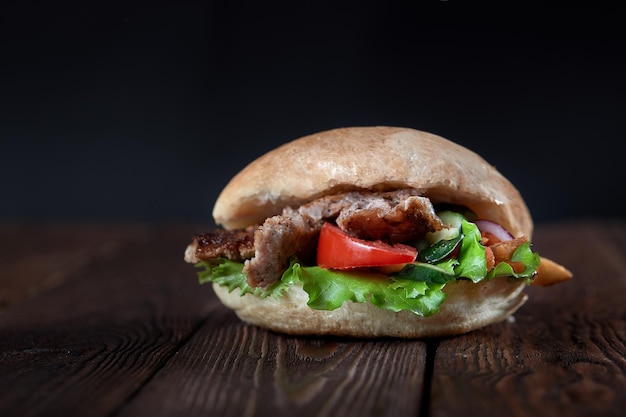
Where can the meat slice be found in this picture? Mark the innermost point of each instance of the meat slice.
(503, 251)
(397, 220)
(235, 245)
(276, 241)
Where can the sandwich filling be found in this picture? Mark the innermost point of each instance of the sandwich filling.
(450, 243)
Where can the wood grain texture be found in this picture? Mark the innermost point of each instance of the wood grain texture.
(37, 257)
(565, 353)
(84, 347)
(232, 369)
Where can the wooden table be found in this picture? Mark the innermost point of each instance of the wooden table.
(107, 320)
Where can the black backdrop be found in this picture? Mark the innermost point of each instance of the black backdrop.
(142, 110)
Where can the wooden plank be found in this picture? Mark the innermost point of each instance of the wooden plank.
(37, 257)
(232, 369)
(87, 345)
(565, 354)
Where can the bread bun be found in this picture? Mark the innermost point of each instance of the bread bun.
(370, 158)
(377, 159)
(467, 307)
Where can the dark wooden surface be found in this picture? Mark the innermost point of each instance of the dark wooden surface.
(107, 320)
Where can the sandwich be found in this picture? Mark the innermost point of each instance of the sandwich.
(371, 232)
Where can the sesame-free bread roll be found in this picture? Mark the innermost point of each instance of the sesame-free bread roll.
(375, 159)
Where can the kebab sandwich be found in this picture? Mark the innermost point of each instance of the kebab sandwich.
(371, 232)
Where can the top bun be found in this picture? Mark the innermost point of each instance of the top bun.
(370, 158)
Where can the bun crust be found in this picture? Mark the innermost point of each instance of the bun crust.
(370, 158)
(376, 159)
(467, 307)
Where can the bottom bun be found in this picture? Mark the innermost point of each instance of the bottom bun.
(467, 307)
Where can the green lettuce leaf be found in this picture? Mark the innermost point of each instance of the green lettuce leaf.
(329, 289)
(472, 261)
(229, 274)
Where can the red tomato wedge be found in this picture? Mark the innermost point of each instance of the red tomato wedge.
(338, 250)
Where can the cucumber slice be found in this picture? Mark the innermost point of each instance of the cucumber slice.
(424, 272)
(439, 250)
(453, 222)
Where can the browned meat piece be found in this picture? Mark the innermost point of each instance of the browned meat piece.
(235, 245)
(396, 220)
(276, 241)
(502, 251)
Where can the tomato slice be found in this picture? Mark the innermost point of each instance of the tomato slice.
(339, 250)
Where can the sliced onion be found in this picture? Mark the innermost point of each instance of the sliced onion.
(494, 228)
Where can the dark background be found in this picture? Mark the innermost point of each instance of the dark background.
(142, 110)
